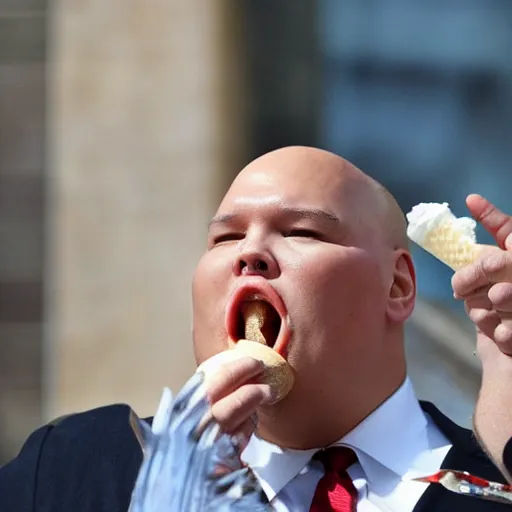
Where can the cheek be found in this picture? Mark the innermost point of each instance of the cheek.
(210, 278)
(337, 299)
(341, 285)
(209, 292)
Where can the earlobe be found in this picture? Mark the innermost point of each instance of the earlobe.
(402, 293)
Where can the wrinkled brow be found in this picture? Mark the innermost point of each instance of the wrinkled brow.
(297, 213)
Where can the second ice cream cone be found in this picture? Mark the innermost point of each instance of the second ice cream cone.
(450, 239)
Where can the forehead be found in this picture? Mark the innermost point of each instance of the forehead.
(292, 187)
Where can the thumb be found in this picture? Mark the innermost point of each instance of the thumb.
(497, 223)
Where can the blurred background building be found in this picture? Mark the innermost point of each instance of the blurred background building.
(122, 122)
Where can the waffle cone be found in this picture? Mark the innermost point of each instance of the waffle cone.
(451, 247)
(277, 373)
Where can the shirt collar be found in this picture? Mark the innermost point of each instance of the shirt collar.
(393, 437)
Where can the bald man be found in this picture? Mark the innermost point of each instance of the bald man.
(324, 245)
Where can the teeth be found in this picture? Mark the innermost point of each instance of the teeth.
(254, 313)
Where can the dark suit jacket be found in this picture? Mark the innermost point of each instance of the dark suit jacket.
(507, 456)
(88, 462)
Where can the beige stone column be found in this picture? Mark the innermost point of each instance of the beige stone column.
(143, 125)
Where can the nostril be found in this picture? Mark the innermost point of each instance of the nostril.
(261, 265)
(258, 265)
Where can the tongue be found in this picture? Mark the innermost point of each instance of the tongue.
(254, 314)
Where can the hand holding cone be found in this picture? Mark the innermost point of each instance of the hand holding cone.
(277, 374)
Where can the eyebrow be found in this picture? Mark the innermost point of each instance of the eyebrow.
(300, 213)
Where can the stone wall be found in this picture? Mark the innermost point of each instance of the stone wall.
(22, 172)
(142, 132)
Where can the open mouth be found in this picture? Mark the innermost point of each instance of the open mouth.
(258, 315)
(268, 322)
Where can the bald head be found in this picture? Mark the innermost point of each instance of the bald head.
(391, 217)
(369, 201)
(299, 159)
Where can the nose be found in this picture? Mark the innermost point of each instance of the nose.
(252, 261)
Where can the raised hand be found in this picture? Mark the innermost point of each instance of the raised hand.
(235, 393)
(486, 285)
(486, 288)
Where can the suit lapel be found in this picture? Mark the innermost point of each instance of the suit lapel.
(465, 455)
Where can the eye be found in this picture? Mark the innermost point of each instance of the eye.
(303, 233)
(226, 237)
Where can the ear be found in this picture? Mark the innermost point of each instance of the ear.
(402, 292)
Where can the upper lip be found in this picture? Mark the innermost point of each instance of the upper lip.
(258, 289)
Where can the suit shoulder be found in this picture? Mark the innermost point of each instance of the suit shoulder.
(83, 462)
(91, 458)
(18, 477)
(110, 418)
(93, 434)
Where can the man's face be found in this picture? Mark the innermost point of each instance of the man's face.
(293, 232)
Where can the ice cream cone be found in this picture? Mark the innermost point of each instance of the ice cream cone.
(450, 239)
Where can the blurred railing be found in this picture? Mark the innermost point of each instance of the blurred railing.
(440, 346)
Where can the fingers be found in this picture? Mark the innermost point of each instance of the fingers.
(494, 266)
(235, 394)
(503, 336)
(500, 297)
(479, 299)
(485, 320)
(497, 223)
(232, 376)
(234, 412)
(490, 309)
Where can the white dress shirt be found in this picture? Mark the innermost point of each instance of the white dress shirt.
(395, 443)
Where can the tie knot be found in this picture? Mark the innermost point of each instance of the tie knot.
(336, 458)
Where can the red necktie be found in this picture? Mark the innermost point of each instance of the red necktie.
(335, 491)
